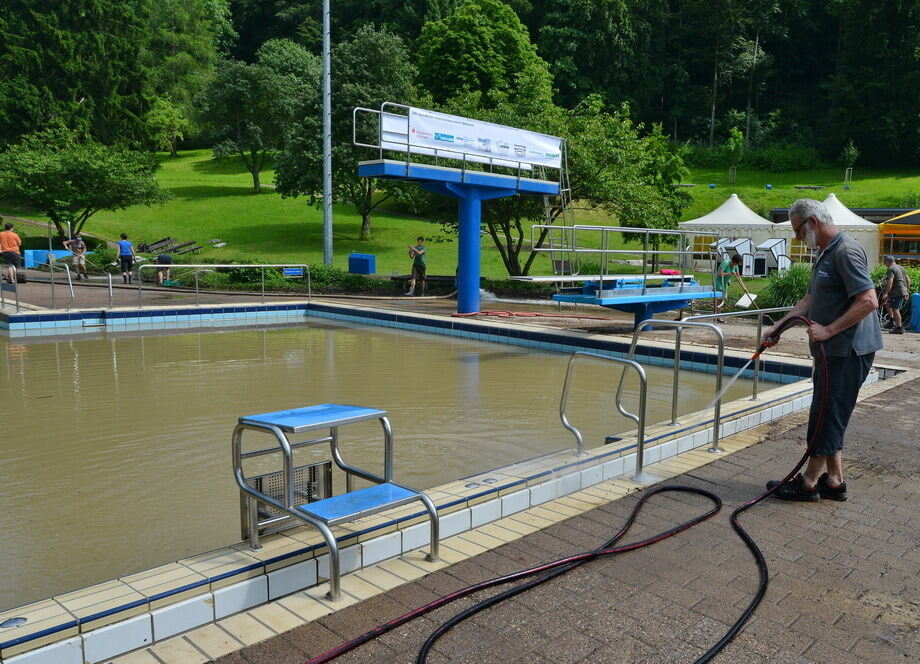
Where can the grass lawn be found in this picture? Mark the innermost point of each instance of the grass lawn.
(868, 189)
(214, 199)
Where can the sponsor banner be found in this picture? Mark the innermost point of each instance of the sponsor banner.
(395, 136)
(451, 134)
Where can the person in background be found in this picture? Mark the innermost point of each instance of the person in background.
(417, 254)
(11, 249)
(897, 288)
(126, 257)
(77, 247)
(727, 269)
(163, 273)
(840, 304)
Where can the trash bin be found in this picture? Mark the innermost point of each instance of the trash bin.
(362, 263)
(914, 312)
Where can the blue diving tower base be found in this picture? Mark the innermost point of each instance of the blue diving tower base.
(471, 188)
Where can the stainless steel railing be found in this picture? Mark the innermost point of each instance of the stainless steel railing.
(760, 313)
(210, 267)
(679, 325)
(51, 265)
(639, 419)
(14, 286)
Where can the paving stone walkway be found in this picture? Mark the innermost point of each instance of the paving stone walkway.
(843, 588)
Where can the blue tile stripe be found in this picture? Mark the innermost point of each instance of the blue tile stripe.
(25, 638)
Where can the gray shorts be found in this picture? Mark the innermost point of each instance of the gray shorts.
(847, 374)
(895, 301)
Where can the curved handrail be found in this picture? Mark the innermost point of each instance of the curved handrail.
(732, 314)
(679, 325)
(638, 419)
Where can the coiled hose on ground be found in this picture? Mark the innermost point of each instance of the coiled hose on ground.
(545, 572)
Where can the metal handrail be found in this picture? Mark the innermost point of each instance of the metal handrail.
(604, 251)
(679, 325)
(15, 286)
(639, 419)
(51, 265)
(207, 266)
(732, 314)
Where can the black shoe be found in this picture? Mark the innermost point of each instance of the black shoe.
(831, 492)
(795, 489)
(897, 330)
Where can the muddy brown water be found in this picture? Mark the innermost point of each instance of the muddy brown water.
(115, 450)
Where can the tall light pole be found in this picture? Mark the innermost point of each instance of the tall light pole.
(327, 139)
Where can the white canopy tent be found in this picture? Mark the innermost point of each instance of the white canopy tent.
(863, 231)
(732, 220)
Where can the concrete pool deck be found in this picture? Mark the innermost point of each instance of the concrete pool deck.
(843, 575)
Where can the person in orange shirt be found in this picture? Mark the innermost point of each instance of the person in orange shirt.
(10, 245)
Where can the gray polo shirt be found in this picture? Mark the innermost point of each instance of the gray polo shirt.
(840, 273)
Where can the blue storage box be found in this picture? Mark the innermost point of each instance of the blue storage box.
(362, 263)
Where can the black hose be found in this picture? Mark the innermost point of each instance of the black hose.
(551, 570)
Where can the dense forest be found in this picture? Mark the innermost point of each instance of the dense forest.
(808, 73)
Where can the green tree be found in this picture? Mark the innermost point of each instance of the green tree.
(70, 179)
(185, 38)
(73, 63)
(248, 107)
(372, 67)
(481, 47)
(165, 125)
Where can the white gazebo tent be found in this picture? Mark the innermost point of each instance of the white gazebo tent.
(863, 231)
(732, 220)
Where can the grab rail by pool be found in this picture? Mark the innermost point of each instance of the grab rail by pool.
(207, 266)
(639, 419)
(679, 325)
(733, 314)
(14, 286)
(66, 268)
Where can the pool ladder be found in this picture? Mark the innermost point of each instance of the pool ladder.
(331, 511)
(630, 363)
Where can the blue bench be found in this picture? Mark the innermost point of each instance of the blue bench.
(328, 512)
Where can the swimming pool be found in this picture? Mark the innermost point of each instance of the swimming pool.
(116, 451)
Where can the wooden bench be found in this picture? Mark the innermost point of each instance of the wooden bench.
(814, 187)
(155, 247)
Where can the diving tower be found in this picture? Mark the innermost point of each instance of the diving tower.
(495, 162)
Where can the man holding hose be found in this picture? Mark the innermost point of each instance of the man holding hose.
(841, 304)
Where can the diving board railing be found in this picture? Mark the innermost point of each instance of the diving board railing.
(205, 267)
(393, 135)
(638, 475)
(562, 243)
(327, 512)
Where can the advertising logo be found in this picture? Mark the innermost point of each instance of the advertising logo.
(485, 144)
(502, 146)
(520, 150)
(444, 138)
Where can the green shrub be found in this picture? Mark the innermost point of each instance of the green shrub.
(101, 260)
(785, 289)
